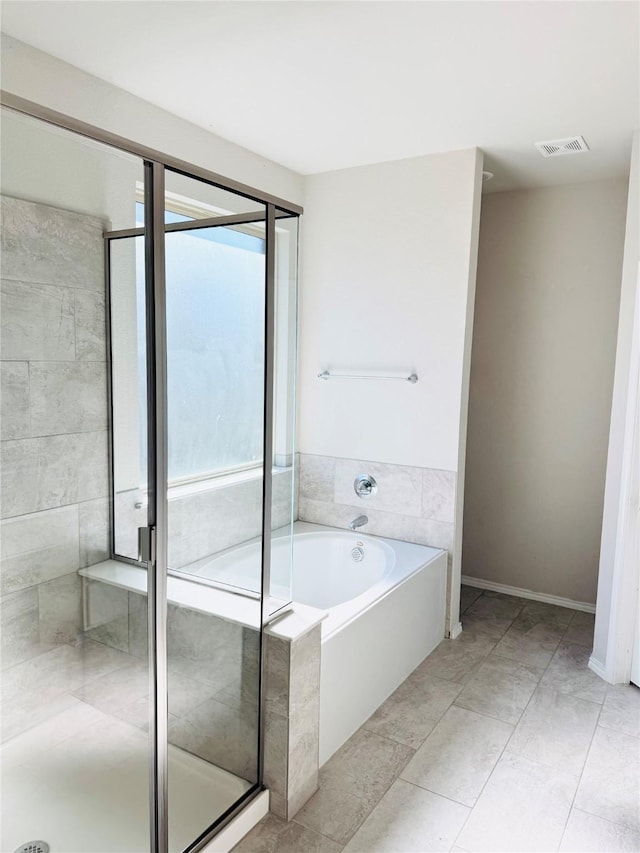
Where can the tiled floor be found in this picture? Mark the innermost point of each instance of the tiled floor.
(501, 740)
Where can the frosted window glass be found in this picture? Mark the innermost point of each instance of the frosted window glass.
(215, 350)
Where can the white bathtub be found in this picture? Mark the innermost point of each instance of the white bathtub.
(374, 640)
(384, 612)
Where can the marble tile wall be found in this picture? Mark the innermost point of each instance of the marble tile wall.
(206, 522)
(53, 450)
(413, 504)
(292, 721)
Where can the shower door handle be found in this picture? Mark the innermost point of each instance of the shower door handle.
(146, 544)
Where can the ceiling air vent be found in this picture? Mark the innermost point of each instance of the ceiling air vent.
(556, 147)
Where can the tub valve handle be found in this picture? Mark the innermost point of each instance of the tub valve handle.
(365, 486)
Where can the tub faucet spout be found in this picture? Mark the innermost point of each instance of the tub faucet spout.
(360, 521)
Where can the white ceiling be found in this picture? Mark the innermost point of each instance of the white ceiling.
(327, 85)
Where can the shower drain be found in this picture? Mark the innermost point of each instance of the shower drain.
(357, 554)
(33, 847)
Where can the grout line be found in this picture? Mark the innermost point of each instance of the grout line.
(383, 737)
(487, 715)
(584, 764)
(608, 820)
(388, 787)
(315, 831)
(438, 794)
(490, 776)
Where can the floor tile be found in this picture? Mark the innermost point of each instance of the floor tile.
(487, 623)
(500, 688)
(556, 729)
(523, 807)
(468, 594)
(367, 762)
(351, 783)
(412, 711)
(586, 833)
(458, 756)
(334, 812)
(530, 641)
(621, 709)
(496, 604)
(568, 672)
(580, 630)
(550, 614)
(409, 819)
(454, 660)
(610, 784)
(273, 835)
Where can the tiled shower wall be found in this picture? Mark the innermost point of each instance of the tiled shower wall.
(207, 521)
(54, 453)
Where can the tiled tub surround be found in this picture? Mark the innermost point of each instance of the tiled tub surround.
(411, 504)
(502, 740)
(54, 451)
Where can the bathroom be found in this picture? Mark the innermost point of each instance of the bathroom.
(229, 717)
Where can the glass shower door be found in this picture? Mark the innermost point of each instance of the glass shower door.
(215, 269)
(198, 434)
(75, 665)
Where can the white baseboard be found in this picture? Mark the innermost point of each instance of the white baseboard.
(242, 823)
(585, 606)
(597, 667)
(455, 631)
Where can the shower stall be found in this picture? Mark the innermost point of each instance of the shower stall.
(148, 400)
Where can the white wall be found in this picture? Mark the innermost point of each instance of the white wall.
(385, 288)
(544, 344)
(34, 75)
(617, 603)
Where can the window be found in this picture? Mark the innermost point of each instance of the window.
(215, 347)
